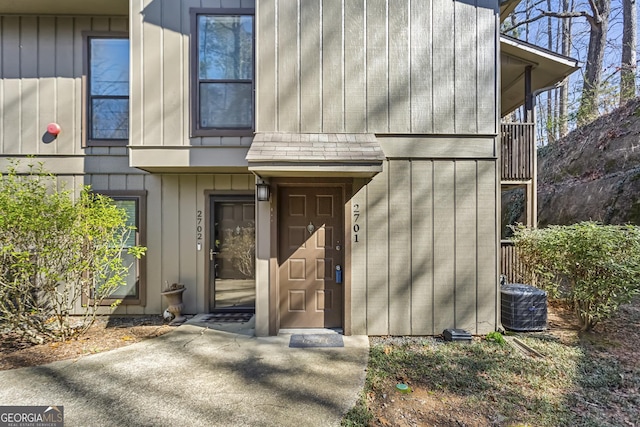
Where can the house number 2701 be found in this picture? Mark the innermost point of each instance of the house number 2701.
(356, 226)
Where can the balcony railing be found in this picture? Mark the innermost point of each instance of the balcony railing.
(517, 151)
(509, 262)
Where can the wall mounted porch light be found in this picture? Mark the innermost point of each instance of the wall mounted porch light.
(263, 191)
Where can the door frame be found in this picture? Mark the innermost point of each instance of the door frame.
(208, 194)
(346, 184)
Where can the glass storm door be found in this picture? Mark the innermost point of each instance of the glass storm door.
(232, 254)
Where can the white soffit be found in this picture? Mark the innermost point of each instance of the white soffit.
(547, 69)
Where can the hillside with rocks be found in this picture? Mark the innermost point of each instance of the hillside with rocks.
(594, 172)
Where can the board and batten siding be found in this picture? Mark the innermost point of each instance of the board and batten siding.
(426, 255)
(160, 61)
(381, 66)
(173, 201)
(41, 66)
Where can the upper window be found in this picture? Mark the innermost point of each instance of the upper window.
(223, 74)
(108, 90)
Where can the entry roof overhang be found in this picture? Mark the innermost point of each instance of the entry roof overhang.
(65, 7)
(547, 70)
(506, 7)
(315, 154)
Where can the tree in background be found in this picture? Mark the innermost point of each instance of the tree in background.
(597, 40)
(628, 62)
(563, 96)
(599, 23)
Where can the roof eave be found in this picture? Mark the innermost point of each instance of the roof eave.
(547, 70)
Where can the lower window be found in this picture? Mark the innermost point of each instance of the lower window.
(134, 204)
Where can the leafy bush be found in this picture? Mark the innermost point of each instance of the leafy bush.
(495, 337)
(596, 267)
(58, 256)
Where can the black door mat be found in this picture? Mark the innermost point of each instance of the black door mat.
(315, 340)
(226, 317)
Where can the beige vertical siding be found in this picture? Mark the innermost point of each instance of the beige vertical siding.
(422, 249)
(443, 73)
(421, 75)
(160, 61)
(377, 71)
(488, 114)
(444, 219)
(266, 48)
(355, 89)
(359, 257)
(399, 248)
(376, 210)
(488, 217)
(466, 202)
(313, 73)
(427, 252)
(405, 66)
(426, 256)
(155, 238)
(310, 67)
(332, 102)
(400, 66)
(172, 204)
(288, 66)
(41, 81)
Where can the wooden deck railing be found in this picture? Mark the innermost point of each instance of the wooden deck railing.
(517, 151)
(509, 263)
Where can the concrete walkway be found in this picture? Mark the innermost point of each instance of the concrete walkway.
(199, 376)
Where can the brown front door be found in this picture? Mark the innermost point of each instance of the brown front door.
(309, 250)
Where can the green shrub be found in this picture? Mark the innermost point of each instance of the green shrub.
(58, 255)
(596, 267)
(495, 337)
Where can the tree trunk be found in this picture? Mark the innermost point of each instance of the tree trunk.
(563, 108)
(551, 121)
(628, 63)
(599, 23)
(527, 17)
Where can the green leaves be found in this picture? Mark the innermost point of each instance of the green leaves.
(59, 251)
(596, 267)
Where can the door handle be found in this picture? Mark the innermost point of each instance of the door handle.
(212, 253)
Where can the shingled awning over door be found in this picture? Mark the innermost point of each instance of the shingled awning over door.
(315, 154)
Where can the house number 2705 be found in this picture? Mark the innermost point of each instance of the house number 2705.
(356, 226)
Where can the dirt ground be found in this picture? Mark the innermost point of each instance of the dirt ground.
(615, 339)
(104, 335)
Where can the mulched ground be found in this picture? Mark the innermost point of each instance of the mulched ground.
(104, 335)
